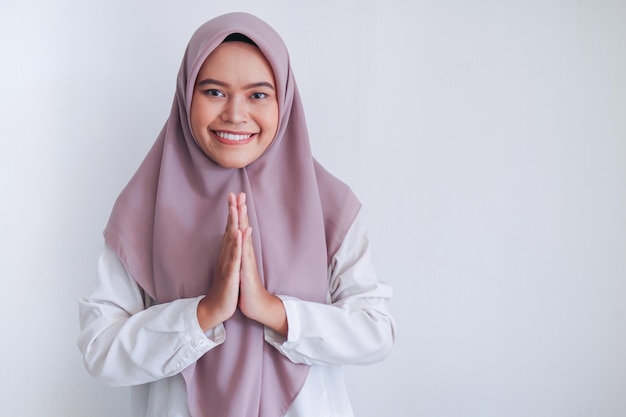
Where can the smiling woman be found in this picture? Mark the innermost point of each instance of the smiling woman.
(234, 109)
(199, 314)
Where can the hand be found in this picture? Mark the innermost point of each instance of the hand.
(220, 302)
(252, 292)
(255, 302)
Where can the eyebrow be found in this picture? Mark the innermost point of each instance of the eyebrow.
(247, 86)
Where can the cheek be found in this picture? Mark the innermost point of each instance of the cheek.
(200, 116)
(271, 119)
(194, 115)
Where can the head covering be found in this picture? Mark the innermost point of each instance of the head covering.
(167, 227)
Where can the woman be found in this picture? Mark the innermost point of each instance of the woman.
(236, 277)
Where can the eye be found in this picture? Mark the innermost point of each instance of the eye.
(258, 96)
(212, 92)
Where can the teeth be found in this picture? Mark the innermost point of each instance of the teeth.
(230, 136)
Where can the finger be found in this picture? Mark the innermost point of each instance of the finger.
(232, 199)
(248, 258)
(236, 203)
(242, 208)
(244, 222)
(247, 235)
(229, 262)
(237, 252)
(232, 252)
(232, 221)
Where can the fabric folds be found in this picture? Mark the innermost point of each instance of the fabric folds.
(167, 226)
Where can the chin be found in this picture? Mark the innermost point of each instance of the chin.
(233, 163)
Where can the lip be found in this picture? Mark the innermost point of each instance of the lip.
(233, 142)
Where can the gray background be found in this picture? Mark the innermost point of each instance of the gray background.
(486, 139)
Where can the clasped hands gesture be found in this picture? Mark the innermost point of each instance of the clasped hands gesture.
(237, 283)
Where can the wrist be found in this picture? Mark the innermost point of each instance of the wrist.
(208, 315)
(276, 315)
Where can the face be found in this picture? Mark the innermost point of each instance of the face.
(234, 108)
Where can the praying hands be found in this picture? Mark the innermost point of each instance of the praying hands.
(237, 283)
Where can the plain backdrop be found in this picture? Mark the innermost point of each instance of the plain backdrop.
(486, 140)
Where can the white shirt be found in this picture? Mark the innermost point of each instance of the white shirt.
(127, 340)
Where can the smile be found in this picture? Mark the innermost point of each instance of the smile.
(233, 137)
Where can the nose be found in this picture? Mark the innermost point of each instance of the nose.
(235, 110)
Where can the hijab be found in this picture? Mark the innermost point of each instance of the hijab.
(167, 225)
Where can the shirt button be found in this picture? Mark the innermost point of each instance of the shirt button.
(202, 342)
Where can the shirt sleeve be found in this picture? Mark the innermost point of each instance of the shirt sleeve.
(355, 326)
(125, 342)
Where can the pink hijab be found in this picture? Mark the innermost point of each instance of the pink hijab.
(167, 227)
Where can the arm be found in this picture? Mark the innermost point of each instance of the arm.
(125, 343)
(355, 327)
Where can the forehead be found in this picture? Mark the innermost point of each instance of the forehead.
(237, 58)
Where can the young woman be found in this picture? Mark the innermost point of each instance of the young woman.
(236, 278)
